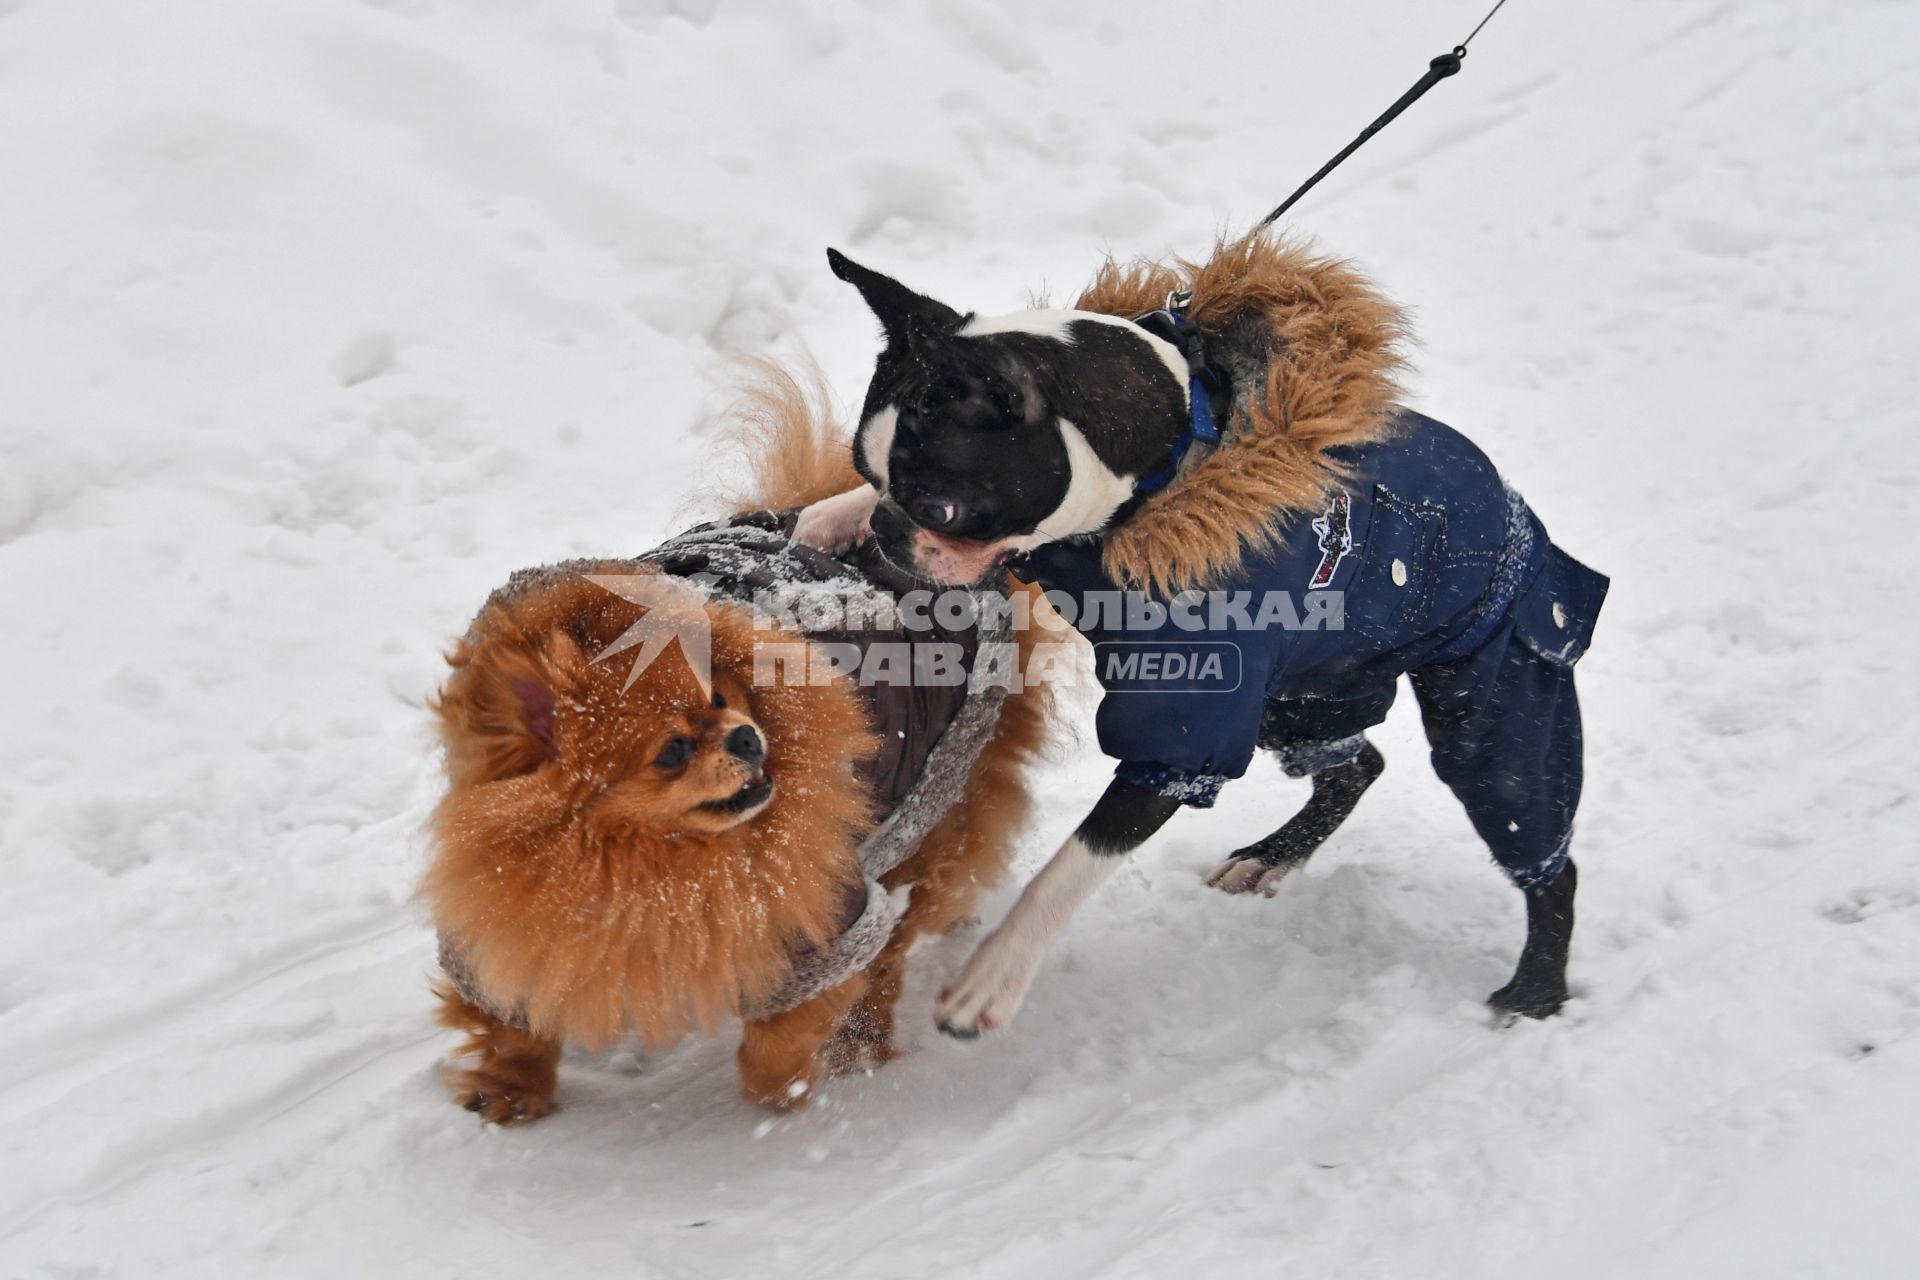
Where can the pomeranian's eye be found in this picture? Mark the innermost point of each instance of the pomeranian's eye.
(674, 754)
(719, 700)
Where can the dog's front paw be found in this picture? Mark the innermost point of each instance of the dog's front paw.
(1248, 875)
(989, 990)
(839, 522)
(784, 1087)
(499, 1097)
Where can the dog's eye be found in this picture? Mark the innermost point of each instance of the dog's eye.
(937, 514)
(674, 754)
(719, 700)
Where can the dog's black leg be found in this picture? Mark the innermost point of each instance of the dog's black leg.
(1335, 793)
(1539, 985)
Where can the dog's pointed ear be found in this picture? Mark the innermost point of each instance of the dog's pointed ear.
(536, 688)
(537, 706)
(905, 316)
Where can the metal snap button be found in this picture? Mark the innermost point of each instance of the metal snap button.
(1399, 572)
(1559, 615)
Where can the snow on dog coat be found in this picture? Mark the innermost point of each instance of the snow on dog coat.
(933, 731)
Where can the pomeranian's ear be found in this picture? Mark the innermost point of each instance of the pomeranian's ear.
(523, 665)
(906, 317)
(498, 714)
(536, 705)
(558, 671)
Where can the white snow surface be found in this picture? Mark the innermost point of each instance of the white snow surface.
(318, 317)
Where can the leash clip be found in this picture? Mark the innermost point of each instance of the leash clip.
(1179, 300)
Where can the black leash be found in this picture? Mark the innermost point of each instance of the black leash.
(1439, 69)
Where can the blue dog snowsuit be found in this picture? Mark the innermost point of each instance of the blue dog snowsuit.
(1423, 563)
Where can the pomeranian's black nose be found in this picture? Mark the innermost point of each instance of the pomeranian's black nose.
(744, 742)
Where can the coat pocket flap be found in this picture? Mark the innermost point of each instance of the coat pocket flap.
(1390, 597)
(1554, 617)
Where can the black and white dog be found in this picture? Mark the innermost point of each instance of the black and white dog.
(1029, 438)
(984, 438)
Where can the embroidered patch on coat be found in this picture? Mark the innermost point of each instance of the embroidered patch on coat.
(1336, 538)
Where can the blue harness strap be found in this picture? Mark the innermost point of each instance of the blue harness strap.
(1203, 383)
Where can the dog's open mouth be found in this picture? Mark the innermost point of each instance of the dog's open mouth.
(956, 561)
(751, 796)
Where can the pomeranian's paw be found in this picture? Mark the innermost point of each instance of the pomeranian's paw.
(839, 522)
(499, 1097)
(853, 1056)
(1248, 875)
(782, 1090)
(863, 1043)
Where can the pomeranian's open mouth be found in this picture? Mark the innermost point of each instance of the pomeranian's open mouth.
(751, 796)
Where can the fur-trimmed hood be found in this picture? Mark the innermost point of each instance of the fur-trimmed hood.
(1312, 352)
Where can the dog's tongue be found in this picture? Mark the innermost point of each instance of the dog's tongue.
(959, 561)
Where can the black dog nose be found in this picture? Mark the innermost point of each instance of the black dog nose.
(744, 742)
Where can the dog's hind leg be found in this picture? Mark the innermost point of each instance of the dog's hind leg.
(1336, 790)
(1539, 985)
(514, 1073)
(865, 1039)
(945, 881)
(781, 1057)
(1505, 727)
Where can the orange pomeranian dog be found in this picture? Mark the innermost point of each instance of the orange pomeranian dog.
(656, 851)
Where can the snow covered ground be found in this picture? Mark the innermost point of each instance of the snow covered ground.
(319, 316)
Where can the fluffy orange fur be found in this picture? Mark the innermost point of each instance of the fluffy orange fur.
(512, 1073)
(1335, 353)
(578, 896)
(581, 898)
(783, 427)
